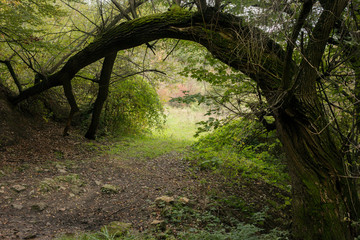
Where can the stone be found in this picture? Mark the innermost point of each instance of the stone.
(117, 229)
(184, 200)
(159, 224)
(30, 236)
(164, 200)
(39, 206)
(58, 166)
(17, 206)
(156, 222)
(18, 188)
(109, 189)
(75, 190)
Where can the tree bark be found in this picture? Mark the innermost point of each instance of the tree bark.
(102, 94)
(73, 105)
(324, 199)
(13, 74)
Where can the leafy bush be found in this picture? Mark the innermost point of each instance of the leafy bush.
(242, 148)
(133, 106)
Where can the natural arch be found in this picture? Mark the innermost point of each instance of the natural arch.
(323, 200)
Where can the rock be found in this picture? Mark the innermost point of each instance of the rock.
(159, 224)
(184, 200)
(156, 222)
(58, 166)
(39, 206)
(18, 188)
(17, 206)
(164, 200)
(30, 236)
(109, 189)
(75, 190)
(117, 229)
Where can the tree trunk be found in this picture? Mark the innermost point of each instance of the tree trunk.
(102, 94)
(324, 199)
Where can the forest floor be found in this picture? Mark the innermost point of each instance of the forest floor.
(52, 185)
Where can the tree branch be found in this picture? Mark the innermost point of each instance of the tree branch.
(230, 40)
(13, 74)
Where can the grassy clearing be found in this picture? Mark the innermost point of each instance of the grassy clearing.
(177, 134)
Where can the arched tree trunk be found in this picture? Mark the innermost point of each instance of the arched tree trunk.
(105, 76)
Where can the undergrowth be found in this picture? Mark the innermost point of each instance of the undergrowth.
(242, 150)
(176, 135)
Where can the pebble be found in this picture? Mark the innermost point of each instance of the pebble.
(18, 188)
(39, 206)
(17, 206)
(184, 200)
(156, 222)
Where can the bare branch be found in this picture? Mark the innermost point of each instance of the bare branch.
(13, 74)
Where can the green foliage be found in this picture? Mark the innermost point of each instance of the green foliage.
(185, 222)
(230, 93)
(32, 12)
(176, 135)
(132, 107)
(241, 232)
(242, 148)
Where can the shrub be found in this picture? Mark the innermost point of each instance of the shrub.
(242, 148)
(133, 106)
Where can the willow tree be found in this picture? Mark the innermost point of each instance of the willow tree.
(325, 199)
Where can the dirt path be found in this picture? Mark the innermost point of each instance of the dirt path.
(51, 186)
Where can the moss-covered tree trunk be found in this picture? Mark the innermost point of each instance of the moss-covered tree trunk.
(324, 198)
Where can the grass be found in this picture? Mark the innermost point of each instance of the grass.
(177, 134)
